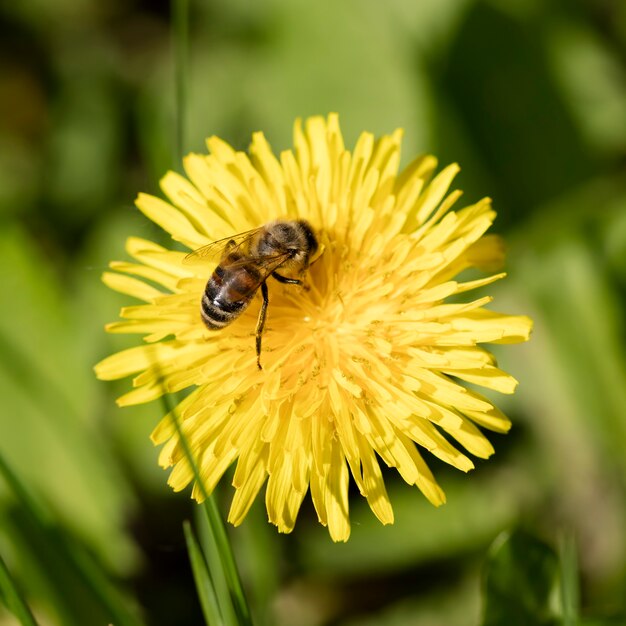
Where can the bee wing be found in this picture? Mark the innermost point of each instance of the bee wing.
(215, 250)
(265, 264)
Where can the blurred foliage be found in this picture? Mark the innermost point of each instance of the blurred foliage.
(530, 98)
(520, 575)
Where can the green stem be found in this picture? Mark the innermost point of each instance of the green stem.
(180, 19)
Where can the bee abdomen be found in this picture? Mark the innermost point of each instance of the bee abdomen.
(217, 312)
(213, 316)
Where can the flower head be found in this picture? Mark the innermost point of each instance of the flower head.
(364, 363)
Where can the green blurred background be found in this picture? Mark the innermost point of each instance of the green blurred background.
(528, 95)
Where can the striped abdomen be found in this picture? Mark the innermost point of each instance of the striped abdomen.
(228, 293)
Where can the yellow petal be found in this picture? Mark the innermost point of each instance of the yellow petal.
(374, 485)
(367, 361)
(171, 220)
(336, 499)
(130, 286)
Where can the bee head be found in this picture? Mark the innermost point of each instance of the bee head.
(309, 237)
(295, 237)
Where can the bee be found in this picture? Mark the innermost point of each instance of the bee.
(246, 261)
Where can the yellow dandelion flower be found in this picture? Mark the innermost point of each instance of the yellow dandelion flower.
(364, 363)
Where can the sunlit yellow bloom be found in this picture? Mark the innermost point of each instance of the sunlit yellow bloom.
(367, 364)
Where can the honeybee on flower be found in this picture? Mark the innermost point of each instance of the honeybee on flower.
(365, 364)
(246, 262)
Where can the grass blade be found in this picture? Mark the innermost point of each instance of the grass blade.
(216, 545)
(219, 537)
(569, 580)
(13, 598)
(51, 547)
(213, 558)
(202, 577)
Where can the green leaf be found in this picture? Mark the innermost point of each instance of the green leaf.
(520, 578)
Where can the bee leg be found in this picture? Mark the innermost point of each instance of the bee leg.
(285, 280)
(261, 323)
